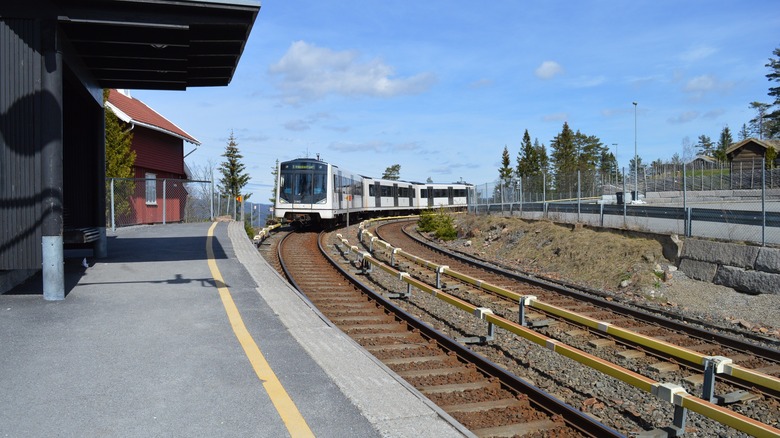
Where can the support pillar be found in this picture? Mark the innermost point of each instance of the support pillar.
(51, 165)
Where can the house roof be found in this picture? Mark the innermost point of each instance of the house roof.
(150, 44)
(133, 111)
(763, 143)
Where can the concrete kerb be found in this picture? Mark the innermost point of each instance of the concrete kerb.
(387, 401)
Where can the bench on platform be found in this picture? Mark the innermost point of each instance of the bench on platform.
(76, 236)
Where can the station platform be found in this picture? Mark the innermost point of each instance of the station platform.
(168, 338)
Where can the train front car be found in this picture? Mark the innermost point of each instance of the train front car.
(303, 196)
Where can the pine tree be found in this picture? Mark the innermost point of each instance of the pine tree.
(564, 159)
(773, 118)
(705, 146)
(527, 158)
(505, 171)
(233, 176)
(723, 143)
(392, 172)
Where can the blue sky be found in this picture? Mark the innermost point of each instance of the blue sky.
(441, 87)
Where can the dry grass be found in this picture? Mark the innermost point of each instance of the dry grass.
(598, 259)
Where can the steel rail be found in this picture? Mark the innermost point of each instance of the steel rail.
(670, 393)
(737, 372)
(572, 416)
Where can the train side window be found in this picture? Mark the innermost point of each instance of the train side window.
(372, 190)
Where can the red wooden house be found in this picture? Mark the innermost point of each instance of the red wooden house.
(159, 147)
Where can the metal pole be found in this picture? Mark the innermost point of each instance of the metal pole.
(544, 194)
(211, 203)
(579, 194)
(763, 201)
(636, 160)
(624, 197)
(165, 198)
(113, 213)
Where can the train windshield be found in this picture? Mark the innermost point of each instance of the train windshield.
(303, 182)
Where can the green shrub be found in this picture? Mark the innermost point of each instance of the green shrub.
(440, 223)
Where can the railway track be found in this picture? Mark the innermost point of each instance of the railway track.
(482, 396)
(749, 398)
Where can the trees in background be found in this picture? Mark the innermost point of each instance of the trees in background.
(392, 172)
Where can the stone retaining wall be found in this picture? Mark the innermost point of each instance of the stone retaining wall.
(714, 196)
(749, 269)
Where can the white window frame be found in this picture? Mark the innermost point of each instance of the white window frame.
(151, 188)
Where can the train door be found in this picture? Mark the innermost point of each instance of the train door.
(395, 195)
(430, 196)
(337, 188)
(411, 196)
(377, 194)
(450, 196)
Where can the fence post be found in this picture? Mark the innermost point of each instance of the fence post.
(521, 196)
(763, 201)
(113, 211)
(544, 194)
(625, 198)
(579, 194)
(164, 199)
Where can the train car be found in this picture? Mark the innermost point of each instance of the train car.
(388, 195)
(437, 195)
(311, 191)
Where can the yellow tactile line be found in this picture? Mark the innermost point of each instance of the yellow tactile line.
(292, 418)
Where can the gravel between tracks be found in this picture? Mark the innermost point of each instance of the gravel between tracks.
(623, 407)
(602, 260)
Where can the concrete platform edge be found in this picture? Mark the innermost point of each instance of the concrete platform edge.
(393, 407)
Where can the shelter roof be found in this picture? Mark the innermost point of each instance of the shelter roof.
(131, 110)
(763, 143)
(158, 44)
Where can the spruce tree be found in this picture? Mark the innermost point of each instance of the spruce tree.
(527, 158)
(505, 171)
(234, 179)
(564, 159)
(723, 143)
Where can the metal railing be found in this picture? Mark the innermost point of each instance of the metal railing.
(693, 203)
(135, 201)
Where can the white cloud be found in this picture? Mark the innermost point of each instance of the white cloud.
(297, 125)
(557, 117)
(310, 72)
(548, 70)
(380, 147)
(701, 85)
(590, 81)
(481, 83)
(685, 117)
(697, 53)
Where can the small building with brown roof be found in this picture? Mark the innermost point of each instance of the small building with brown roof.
(159, 147)
(750, 152)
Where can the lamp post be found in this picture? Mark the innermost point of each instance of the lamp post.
(617, 166)
(636, 161)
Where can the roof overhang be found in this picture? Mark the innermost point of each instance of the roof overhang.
(158, 44)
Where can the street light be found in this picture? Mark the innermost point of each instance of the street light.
(636, 161)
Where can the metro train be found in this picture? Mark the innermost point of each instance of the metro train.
(311, 191)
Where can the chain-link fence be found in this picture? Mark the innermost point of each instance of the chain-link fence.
(134, 201)
(736, 202)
